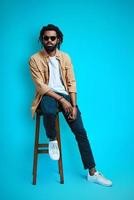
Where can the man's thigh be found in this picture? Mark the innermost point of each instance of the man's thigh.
(48, 105)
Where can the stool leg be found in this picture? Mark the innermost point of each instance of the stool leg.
(36, 148)
(60, 165)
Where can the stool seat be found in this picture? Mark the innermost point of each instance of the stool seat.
(43, 148)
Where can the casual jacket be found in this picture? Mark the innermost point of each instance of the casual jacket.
(40, 74)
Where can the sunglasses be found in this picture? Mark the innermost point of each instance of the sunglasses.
(46, 38)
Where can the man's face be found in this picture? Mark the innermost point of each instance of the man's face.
(50, 40)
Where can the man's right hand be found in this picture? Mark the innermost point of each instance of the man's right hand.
(66, 105)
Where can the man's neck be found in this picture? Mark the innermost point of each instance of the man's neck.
(52, 53)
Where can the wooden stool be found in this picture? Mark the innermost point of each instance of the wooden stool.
(37, 147)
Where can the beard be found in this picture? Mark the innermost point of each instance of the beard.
(50, 48)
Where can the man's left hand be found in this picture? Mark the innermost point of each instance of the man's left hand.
(73, 114)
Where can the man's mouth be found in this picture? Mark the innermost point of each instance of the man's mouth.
(49, 44)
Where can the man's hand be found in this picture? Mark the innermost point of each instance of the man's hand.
(66, 105)
(73, 114)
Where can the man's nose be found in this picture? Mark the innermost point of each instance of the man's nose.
(49, 39)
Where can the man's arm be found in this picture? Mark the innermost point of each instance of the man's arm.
(73, 98)
(71, 83)
(73, 114)
(41, 87)
(70, 76)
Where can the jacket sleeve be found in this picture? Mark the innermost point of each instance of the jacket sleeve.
(70, 77)
(41, 87)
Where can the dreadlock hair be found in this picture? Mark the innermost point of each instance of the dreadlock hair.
(51, 27)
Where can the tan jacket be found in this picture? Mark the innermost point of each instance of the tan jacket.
(40, 74)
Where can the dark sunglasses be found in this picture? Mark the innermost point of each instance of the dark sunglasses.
(46, 38)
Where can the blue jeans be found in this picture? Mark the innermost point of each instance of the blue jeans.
(49, 107)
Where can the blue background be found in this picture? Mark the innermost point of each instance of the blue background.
(98, 35)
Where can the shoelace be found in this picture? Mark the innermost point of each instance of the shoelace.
(54, 147)
(99, 173)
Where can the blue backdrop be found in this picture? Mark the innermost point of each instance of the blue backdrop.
(99, 37)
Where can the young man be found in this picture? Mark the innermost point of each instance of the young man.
(53, 74)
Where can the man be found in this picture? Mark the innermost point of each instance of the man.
(53, 74)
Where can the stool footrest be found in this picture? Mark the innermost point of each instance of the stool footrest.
(42, 145)
(42, 150)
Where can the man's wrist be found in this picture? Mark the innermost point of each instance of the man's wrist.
(59, 99)
(74, 105)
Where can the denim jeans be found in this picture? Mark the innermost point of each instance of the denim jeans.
(49, 107)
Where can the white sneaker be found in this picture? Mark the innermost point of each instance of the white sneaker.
(53, 150)
(99, 178)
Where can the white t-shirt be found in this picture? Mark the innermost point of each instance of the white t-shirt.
(55, 79)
